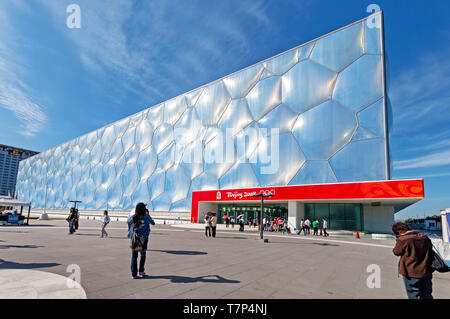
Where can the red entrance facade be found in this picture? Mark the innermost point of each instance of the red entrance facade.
(392, 192)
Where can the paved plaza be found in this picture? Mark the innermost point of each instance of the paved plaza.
(183, 264)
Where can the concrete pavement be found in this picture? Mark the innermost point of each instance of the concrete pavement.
(182, 263)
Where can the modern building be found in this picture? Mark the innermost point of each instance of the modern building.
(10, 157)
(309, 125)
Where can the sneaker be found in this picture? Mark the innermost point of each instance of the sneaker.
(142, 274)
(134, 277)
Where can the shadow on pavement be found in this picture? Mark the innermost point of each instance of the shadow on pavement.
(4, 264)
(183, 279)
(97, 235)
(325, 244)
(18, 246)
(301, 243)
(226, 237)
(181, 252)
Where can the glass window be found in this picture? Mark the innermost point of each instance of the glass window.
(340, 216)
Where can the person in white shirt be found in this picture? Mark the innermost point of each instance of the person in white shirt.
(105, 221)
(325, 234)
(301, 227)
(307, 226)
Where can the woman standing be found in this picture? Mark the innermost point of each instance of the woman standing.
(213, 221)
(105, 221)
(139, 225)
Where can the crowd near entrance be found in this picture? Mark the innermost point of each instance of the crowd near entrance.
(251, 211)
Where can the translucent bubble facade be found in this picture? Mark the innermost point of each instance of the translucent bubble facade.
(325, 98)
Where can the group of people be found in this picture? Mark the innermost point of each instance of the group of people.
(229, 220)
(306, 226)
(210, 225)
(276, 224)
(269, 224)
(73, 219)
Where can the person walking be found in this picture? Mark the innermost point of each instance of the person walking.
(139, 233)
(324, 226)
(77, 219)
(315, 227)
(307, 226)
(241, 224)
(207, 226)
(285, 226)
(227, 222)
(416, 255)
(301, 227)
(232, 221)
(213, 222)
(105, 222)
(71, 219)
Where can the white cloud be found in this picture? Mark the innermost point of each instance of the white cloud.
(15, 95)
(432, 160)
(156, 48)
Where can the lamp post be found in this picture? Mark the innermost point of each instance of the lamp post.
(75, 202)
(262, 210)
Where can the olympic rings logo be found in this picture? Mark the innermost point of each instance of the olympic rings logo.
(267, 192)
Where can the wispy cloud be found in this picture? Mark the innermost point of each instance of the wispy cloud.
(420, 99)
(431, 160)
(15, 95)
(155, 48)
(422, 91)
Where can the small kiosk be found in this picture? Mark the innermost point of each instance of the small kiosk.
(9, 214)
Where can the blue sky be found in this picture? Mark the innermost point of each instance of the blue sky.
(58, 83)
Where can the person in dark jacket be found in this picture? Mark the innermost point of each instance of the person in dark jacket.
(71, 220)
(416, 255)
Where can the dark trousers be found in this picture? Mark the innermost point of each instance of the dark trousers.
(71, 227)
(208, 231)
(213, 229)
(76, 224)
(325, 232)
(419, 288)
(306, 230)
(316, 231)
(134, 257)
